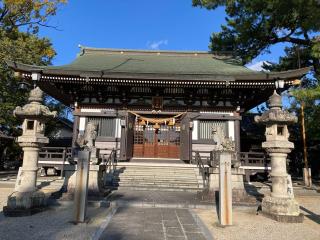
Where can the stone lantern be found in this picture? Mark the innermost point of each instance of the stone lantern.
(26, 197)
(280, 205)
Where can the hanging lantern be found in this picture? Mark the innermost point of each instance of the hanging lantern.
(156, 126)
(142, 123)
(171, 123)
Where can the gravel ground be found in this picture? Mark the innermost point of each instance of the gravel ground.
(248, 225)
(52, 224)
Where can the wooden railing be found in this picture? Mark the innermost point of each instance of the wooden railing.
(55, 154)
(248, 160)
(58, 157)
(254, 160)
(110, 160)
(203, 169)
(251, 162)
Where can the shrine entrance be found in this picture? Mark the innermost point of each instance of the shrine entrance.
(156, 140)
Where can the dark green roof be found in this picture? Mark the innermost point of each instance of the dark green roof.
(168, 62)
(146, 64)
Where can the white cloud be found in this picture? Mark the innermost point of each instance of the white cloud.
(258, 66)
(155, 45)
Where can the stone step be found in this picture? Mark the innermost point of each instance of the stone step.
(146, 165)
(156, 182)
(162, 177)
(157, 177)
(130, 184)
(158, 171)
(155, 174)
(150, 188)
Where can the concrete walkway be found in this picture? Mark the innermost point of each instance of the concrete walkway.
(153, 224)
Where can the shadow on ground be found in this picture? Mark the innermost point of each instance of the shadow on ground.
(311, 215)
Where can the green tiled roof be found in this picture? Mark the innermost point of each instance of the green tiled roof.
(167, 62)
(158, 65)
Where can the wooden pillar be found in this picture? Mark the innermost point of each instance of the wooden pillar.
(123, 139)
(75, 130)
(237, 133)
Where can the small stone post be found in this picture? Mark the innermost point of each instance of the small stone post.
(225, 186)
(281, 205)
(81, 189)
(26, 199)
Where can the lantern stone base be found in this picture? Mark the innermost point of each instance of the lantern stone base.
(96, 181)
(25, 204)
(281, 209)
(95, 184)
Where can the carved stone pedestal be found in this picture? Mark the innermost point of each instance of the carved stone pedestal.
(95, 184)
(24, 204)
(96, 181)
(281, 209)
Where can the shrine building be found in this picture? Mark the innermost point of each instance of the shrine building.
(157, 104)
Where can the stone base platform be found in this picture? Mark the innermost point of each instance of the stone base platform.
(239, 196)
(25, 204)
(281, 209)
(284, 218)
(20, 212)
(95, 183)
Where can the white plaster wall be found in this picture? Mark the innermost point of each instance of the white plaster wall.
(202, 147)
(195, 130)
(109, 145)
(118, 128)
(82, 124)
(222, 112)
(231, 129)
(96, 110)
(90, 110)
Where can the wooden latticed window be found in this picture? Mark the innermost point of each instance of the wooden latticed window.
(138, 134)
(174, 135)
(107, 126)
(206, 127)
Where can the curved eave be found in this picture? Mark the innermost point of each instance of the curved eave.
(257, 76)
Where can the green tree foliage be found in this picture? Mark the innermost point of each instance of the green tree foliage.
(19, 23)
(27, 13)
(20, 47)
(254, 25)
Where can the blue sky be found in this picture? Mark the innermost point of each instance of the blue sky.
(139, 24)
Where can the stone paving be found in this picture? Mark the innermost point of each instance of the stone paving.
(152, 224)
(165, 198)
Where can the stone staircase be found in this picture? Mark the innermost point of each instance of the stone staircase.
(157, 176)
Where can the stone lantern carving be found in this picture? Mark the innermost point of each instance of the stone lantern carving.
(281, 205)
(26, 195)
